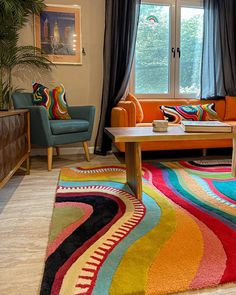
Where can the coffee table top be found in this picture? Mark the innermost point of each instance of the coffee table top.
(174, 133)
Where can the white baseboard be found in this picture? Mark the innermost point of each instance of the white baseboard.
(63, 151)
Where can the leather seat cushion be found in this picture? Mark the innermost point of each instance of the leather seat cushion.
(68, 126)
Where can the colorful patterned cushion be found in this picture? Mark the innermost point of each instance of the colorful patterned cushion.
(53, 100)
(201, 112)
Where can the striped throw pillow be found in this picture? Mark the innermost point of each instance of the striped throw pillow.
(53, 100)
(201, 112)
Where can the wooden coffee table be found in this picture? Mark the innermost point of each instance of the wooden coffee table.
(133, 136)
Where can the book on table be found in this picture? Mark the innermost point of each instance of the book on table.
(205, 126)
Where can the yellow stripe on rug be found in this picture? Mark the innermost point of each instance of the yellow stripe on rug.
(178, 261)
(145, 249)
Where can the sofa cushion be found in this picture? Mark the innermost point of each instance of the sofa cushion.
(53, 100)
(130, 109)
(139, 110)
(201, 112)
(230, 108)
(68, 126)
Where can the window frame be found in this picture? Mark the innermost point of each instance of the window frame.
(180, 4)
(174, 73)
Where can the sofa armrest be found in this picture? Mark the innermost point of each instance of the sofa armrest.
(119, 117)
(130, 108)
(39, 126)
(84, 113)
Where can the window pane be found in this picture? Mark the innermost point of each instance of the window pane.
(191, 35)
(152, 50)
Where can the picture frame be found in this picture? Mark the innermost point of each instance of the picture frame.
(58, 33)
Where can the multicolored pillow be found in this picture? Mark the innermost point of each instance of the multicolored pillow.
(53, 100)
(201, 112)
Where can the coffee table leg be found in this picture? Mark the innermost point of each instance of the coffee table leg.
(134, 167)
(233, 169)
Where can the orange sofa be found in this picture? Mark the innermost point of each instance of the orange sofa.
(124, 115)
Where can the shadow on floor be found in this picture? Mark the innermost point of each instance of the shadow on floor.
(181, 155)
(8, 190)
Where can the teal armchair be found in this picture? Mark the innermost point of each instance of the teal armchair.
(53, 133)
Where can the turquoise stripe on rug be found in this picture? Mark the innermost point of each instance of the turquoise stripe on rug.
(173, 181)
(226, 188)
(208, 190)
(108, 269)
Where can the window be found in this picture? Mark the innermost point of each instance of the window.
(152, 50)
(191, 32)
(168, 49)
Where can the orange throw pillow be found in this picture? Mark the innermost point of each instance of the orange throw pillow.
(139, 110)
(230, 108)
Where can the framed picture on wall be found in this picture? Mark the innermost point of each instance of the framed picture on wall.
(58, 33)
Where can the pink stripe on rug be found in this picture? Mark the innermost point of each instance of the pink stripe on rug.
(147, 174)
(218, 193)
(88, 210)
(214, 169)
(214, 255)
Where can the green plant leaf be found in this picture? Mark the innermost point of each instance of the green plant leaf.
(13, 15)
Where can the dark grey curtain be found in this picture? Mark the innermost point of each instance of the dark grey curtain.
(119, 45)
(219, 49)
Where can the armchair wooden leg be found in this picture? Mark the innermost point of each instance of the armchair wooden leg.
(58, 151)
(86, 150)
(50, 153)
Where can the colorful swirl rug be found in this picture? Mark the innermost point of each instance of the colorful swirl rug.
(103, 240)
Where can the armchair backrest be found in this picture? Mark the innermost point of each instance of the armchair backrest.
(22, 100)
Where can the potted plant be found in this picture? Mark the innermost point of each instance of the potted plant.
(13, 16)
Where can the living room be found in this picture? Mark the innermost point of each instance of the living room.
(103, 190)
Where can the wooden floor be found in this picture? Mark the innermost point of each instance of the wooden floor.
(26, 205)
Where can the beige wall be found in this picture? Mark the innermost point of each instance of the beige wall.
(83, 83)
